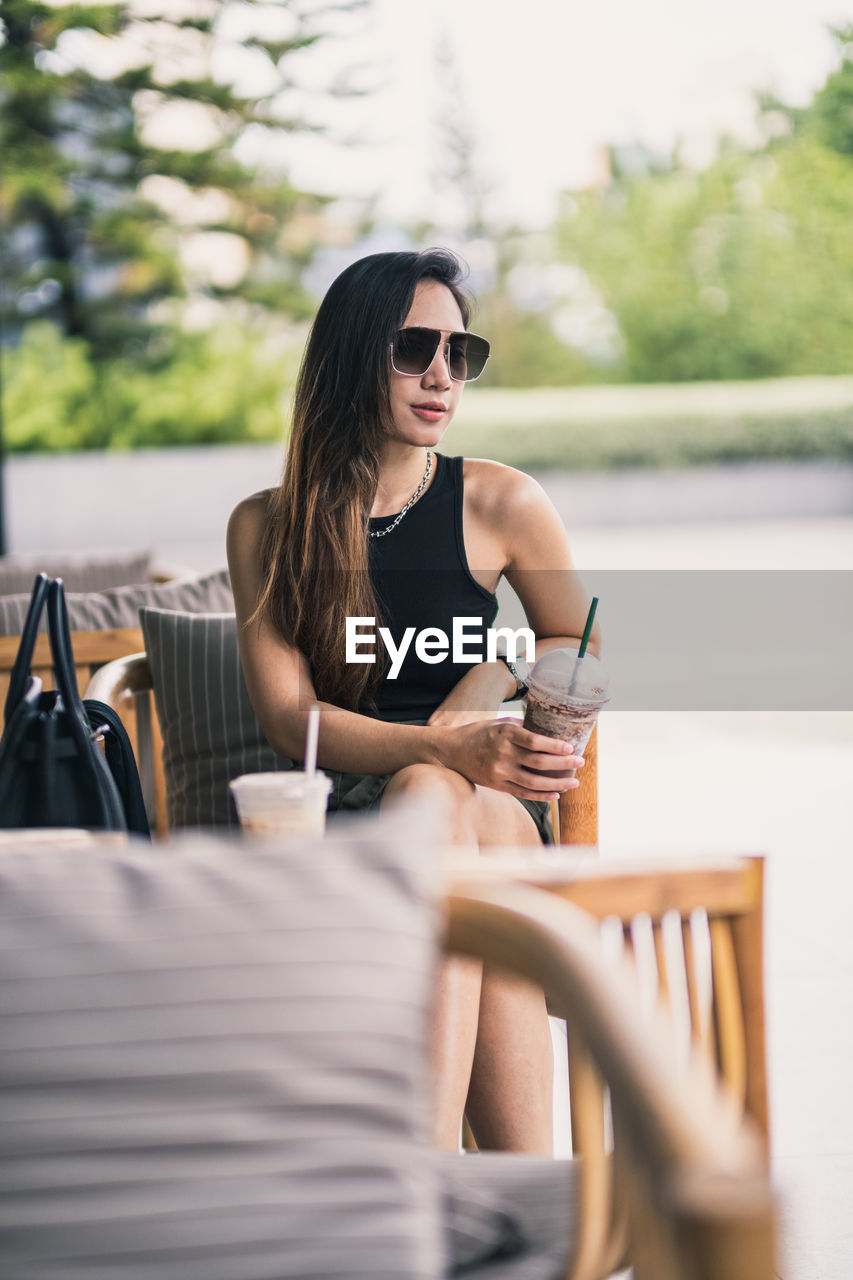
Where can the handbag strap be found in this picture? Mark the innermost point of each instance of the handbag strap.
(64, 670)
(20, 678)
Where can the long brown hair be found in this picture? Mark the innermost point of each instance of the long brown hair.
(314, 551)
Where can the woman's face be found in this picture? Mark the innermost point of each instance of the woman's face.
(422, 408)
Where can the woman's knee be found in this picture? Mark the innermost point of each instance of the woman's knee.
(450, 790)
(503, 820)
(420, 777)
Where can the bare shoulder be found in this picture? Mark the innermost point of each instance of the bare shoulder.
(517, 511)
(496, 490)
(249, 518)
(243, 544)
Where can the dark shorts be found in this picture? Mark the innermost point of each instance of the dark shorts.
(362, 792)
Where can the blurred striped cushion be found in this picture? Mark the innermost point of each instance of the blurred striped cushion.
(119, 607)
(213, 1059)
(79, 573)
(210, 732)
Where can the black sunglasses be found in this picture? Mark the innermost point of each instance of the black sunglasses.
(413, 351)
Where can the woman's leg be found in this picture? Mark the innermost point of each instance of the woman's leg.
(510, 1098)
(492, 1050)
(457, 1000)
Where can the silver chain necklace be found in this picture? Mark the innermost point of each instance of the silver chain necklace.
(380, 533)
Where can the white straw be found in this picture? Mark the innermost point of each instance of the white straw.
(311, 741)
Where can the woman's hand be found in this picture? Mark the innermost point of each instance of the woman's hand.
(504, 755)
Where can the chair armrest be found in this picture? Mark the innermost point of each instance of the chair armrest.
(126, 685)
(120, 678)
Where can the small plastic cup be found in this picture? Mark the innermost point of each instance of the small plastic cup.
(556, 713)
(290, 805)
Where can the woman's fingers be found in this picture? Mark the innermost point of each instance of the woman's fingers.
(538, 742)
(544, 755)
(551, 763)
(525, 793)
(542, 784)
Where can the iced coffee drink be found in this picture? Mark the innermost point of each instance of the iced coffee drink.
(564, 697)
(291, 805)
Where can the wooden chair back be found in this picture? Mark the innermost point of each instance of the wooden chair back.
(691, 936)
(694, 931)
(91, 649)
(686, 1186)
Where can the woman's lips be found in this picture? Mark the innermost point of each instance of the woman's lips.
(432, 411)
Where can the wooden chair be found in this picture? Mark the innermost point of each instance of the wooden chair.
(691, 937)
(126, 685)
(688, 1173)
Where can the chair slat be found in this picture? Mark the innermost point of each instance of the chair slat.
(660, 958)
(145, 753)
(728, 1011)
(748, 942)
(699, 1021)
(586, 1104)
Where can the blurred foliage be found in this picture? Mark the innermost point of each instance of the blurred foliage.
(831, 114)
(664, 275)
(526, 350)
(742, 270)
(222, 385)
(228, 385)
(101, 222)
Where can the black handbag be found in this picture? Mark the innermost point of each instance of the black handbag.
(53, 773)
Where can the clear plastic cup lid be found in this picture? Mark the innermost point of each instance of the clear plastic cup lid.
(288, 782)
(553, 673)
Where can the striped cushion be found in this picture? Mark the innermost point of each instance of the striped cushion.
(103, 610)
(210, 732)
(212, 1062)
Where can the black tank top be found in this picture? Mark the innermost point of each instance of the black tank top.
(421, 579)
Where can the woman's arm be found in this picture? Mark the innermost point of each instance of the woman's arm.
(540, 569)
(511, 517)
(278, 678)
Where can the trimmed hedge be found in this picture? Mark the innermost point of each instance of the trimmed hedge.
(660, 426)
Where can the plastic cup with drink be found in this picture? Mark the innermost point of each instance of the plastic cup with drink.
(566, 690)
(290, 804)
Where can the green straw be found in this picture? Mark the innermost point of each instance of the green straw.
(590, 618)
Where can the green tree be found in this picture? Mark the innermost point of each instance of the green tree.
(831, 113)
(108, 208)
(744, 270)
